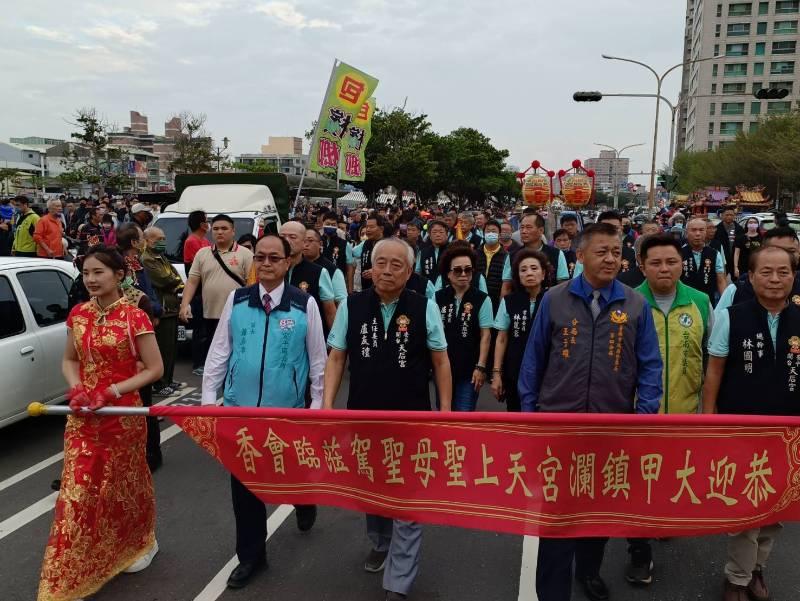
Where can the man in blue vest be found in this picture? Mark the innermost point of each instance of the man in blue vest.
(284, 324)
(392, 338)
(579, 375)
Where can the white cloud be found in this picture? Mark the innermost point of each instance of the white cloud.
(185, 61)
(198, 13)
(135, 35)
(286, 14)
(48, 34)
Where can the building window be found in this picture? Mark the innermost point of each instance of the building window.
(787, 6)
(730, 128)
(711, 128)
(761, 48)
(714, 69)
(754, 127)
(785, 27)
(757, 85)
(710, 145)
(761, 29)
(755, 108)
(735, 29)
(758, 68)
(782, 85)
(717, 30)
(714, 88)
(712, 108)
(732, 108)
(784, 47)
(736, 70)
(781, 68)
(716, 50)
(735, 49)
(763, 8)
(734, 88)
(719, 10)
(778, 108)
(740, 9)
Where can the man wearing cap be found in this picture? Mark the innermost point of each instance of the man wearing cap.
(141, 215)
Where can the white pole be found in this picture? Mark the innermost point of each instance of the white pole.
(314, 138)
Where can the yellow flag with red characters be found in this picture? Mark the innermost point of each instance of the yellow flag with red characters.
(344, 123)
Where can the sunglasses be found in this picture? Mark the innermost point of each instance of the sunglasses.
(274, 259)
(462, 270)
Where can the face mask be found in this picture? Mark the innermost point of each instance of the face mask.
(160, 247)
(752, 227)
(505, 237)
(626, 229)
(492, 238)
(329, 230)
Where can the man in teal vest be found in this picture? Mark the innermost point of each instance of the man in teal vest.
(267, 347)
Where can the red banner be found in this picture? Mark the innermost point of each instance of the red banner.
(556, 475)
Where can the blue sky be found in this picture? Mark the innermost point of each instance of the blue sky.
(259, 68)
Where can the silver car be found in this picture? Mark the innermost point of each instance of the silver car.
(33, 312)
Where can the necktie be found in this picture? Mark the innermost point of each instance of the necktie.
(595, 304)
(267, 303)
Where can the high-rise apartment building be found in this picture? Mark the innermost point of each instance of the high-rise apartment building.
(756, 43)
(610, 172)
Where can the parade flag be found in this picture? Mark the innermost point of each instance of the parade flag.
(555, 475)
(354, 145)
(340, 128)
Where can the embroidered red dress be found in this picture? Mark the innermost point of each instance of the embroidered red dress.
(105, 514)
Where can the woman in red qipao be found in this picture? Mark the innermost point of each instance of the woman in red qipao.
(104, 520)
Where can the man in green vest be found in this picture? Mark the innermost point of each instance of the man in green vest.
(24, 226)
(683, 317)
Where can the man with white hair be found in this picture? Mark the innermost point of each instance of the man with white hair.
(390, 336)
(49, 232)
(465, 230)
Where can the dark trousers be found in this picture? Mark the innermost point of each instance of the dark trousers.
(210, 327)
(153, 431)
(20, 253)
(251, 523)
(250, 514)
(554, 569)
(513, 403)
(196, 323)
(167, 339)
(589, 553)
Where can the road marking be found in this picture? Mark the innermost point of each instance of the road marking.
(38, 467)
(527, 571)
(42, 506)
(218, 584)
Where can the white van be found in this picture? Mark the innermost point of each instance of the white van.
(251, 206)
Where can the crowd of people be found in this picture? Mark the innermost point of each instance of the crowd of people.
(410, 296)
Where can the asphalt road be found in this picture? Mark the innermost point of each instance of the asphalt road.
(196, 537)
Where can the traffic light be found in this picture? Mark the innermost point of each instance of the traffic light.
(587, 96)
(771, 93)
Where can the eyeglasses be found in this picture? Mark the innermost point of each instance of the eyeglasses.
(462, 270)
(274, 259)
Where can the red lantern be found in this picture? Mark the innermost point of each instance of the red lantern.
(561, 173)
(576, 163)
(576, 188)
(536, 164)
(536, 189)
(521, 175)
(590, 173)
(551, 174)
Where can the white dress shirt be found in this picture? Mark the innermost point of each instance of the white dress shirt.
(216, 367)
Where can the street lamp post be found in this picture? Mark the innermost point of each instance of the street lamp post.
(219, 151)
(617, 154)
(659, 82)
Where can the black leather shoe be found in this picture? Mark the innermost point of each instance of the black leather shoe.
(154, 462)
(594, 588)
(242, 573)
(306, 517)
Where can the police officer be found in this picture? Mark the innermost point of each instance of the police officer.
(391, 338)
(285, 321)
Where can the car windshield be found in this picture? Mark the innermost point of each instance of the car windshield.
(176, 230)
(768, 224)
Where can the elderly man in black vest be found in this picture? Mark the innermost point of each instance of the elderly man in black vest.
(749, 373)
(531, 232)
(703, 266)
(375, 229)
(727, 233)
(392, 338)
(428, 258)
(493, 262)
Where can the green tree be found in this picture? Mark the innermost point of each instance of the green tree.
(193, 151)
(8, 178)
(256, 167)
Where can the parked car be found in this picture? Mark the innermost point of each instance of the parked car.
(766, 221)
(33, 332)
